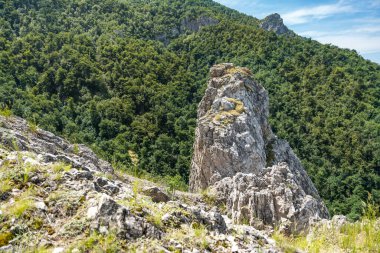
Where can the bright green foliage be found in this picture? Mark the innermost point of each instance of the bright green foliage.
(124, 75)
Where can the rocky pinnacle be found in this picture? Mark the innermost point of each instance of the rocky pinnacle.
(236, 153)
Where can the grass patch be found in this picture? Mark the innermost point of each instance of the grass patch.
(5, 112)
(208, 198)
(361, 236)
(61, 167)
(138, 205)
(58, 169)
(22, 204)
(76, 149)
(33, 127)
(192, 236)
(96, 242)
(172, 183)
(6, 185)
(67, 202)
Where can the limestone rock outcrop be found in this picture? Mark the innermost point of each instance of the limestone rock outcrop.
(16, 133)
(275, 23)
(236, 153)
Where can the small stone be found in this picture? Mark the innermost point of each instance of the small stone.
(227, 105)
(58, 250)
(40, 205)
(166, 217)
(103, 230)
(30, 161)
(6, 248)
(339, 220)
(106, 186)
(234, 248)
(91, 212)
(156, 194)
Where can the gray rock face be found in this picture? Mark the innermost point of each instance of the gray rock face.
(111, 216)
(270, 197)
(275, 24)
(233, 147)
(189, 24)
(15, 133)
(213, 219)
(194, 25)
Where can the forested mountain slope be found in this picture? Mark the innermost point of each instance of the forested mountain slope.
(126, 76)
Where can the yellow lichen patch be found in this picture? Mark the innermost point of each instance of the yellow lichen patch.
(227, 117)
(240, 70)
(239, 106)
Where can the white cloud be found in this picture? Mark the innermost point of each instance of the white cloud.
(362, 43)
(367, 29)
(353, 32)
(306, 15)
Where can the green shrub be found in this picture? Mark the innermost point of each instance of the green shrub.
(6, 112)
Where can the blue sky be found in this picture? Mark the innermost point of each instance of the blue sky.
(345, 23)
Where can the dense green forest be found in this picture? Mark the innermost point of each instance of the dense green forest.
(125, 76)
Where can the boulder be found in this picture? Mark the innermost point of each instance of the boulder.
(156, 194)
(110, 216)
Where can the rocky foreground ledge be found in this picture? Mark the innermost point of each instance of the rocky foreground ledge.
(236, 154)
(17, 134)
(60, 197)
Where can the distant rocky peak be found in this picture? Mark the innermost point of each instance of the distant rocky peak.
(275, 23)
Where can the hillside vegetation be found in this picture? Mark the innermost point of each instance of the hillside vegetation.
(126, 76)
